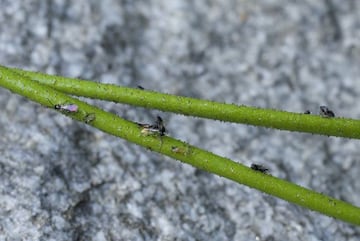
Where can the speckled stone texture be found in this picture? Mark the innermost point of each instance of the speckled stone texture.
(61, 180)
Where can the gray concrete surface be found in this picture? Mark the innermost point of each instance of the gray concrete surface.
(62, 180)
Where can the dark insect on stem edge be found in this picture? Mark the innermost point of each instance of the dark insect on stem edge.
(259, 168)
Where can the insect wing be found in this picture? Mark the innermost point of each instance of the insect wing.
(71, 108)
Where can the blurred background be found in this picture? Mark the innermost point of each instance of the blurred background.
(62, 180)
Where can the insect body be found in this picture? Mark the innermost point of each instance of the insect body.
(326, 112)
(140, 87)
(69, 108)
(259, 168)
(158, 128)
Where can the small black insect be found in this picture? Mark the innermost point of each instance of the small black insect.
(140, 87)
(157, 128)
(67, 108)
(326, 112)
(259, 168)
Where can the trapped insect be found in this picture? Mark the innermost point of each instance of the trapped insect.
(326, 112)
(259, 168)
(157, 128)
(67, 107)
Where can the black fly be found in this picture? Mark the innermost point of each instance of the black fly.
(326, 112)
(259, 168)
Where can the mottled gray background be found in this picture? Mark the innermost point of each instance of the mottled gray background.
(62, 180)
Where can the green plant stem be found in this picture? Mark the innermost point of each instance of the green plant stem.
(196, 157)
(341, 127)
